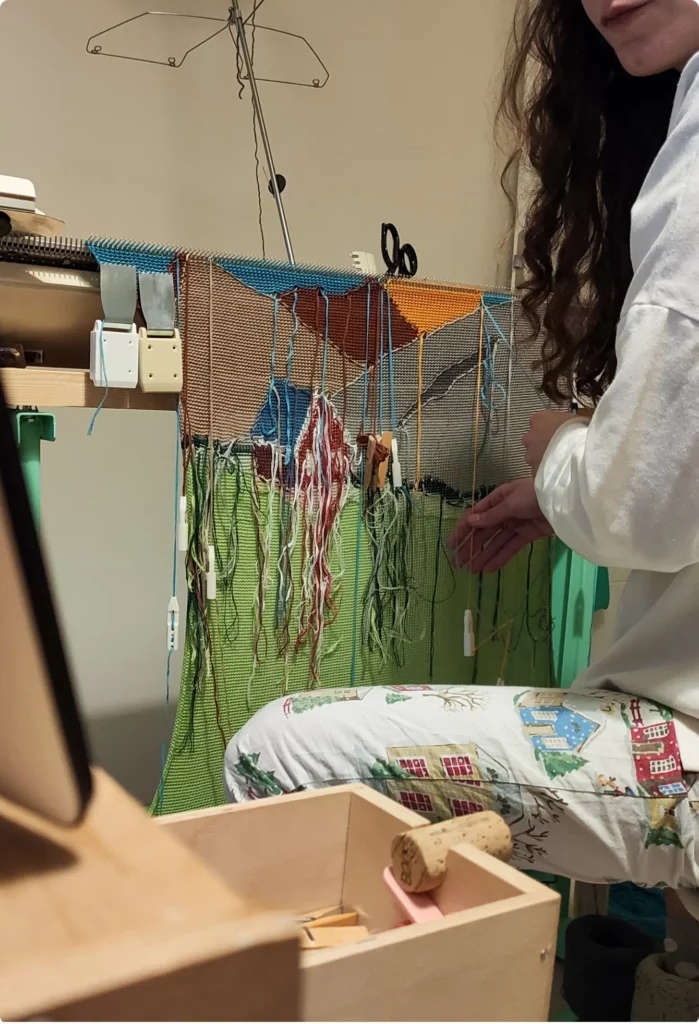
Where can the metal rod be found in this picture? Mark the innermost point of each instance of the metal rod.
(257, 106)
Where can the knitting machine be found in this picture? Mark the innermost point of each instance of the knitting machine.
(49, 302)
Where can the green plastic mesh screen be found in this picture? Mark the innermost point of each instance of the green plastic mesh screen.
(519, 595)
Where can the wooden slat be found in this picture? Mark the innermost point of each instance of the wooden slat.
(373, 825)
(50, 388)
(282, 854)
(491, 963)
(104, 916)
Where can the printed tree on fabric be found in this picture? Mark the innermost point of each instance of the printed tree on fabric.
(385, 769)
(260, 782)
(559, 763)
(396, 698)
(664, 829)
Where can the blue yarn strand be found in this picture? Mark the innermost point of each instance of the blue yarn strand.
(289, 364)
(168, 667)
(391, 378)
(381, 332)
(326, 340)
(489, 384)
(103, 368)
(273, 363)
(322, 384)
(497, 327)
(357, 560)
(360, 515)
(366, 355)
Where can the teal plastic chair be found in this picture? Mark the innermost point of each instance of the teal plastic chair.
(578, 590)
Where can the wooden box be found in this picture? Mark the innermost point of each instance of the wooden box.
(490, 958)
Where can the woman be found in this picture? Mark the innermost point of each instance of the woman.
(597, 783)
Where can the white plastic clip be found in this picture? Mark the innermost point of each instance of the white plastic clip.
(182, 526)
(469, 639)
(396, 473)
(364, 262)
(113, 356)
(160, 361)
(211, 575)
(173, 624)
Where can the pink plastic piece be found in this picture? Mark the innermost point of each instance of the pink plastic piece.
(418, 906)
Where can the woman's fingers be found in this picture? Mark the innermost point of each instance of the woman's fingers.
(508, 542)
(490, 517)
(494, 560)
(490, 552)
(471, 545)
(466, 523)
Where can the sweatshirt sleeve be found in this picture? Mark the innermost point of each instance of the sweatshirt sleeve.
(623, 490)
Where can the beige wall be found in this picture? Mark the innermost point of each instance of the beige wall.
(402, 132)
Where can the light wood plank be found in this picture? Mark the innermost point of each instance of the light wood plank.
(117, 903)
(374, 823)
(475, 879)
(284, 853)
(491, 963)
(50, 388)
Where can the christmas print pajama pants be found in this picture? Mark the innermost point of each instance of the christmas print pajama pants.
(591, 784)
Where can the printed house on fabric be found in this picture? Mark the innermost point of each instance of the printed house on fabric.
(550, 726)
(656, 755)
(452, 783)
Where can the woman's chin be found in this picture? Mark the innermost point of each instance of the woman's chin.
(643, 58)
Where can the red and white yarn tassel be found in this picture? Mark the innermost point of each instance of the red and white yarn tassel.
(324, 471)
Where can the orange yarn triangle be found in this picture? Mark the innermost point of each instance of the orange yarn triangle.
(429, 308)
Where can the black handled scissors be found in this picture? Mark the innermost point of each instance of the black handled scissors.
(402, 261)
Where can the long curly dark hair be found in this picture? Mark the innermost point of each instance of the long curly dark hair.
(590, 131)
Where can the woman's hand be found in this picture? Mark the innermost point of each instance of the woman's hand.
(497, 528)
(542, 427)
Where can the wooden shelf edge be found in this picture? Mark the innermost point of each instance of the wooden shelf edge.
(52, 388)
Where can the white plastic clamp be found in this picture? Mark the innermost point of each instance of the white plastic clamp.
(160, 361)
(396, 472)
(173, 624)
(211, 575)
(469, 638)
(113, 356)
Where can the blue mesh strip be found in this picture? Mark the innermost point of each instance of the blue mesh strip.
(279, 278)
(158, 262)
(496, 300)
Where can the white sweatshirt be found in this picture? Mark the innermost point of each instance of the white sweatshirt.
(623, 491)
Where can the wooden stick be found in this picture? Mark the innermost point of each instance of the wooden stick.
(369, 467)
(418, 857)
(325, 938)
(349, 920)
(311, 916)
(382, 468)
